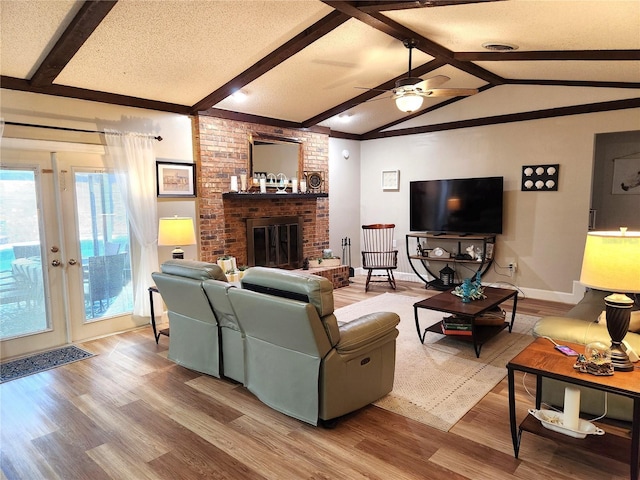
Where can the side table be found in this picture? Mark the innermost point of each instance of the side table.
(542, 360)
(156, 333)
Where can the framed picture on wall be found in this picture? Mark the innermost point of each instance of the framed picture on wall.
(626, 176)
(390, 179)
(176, 179)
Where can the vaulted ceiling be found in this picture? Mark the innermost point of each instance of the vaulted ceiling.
(310, 63)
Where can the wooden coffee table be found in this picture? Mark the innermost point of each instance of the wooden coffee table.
(542, 360)
(449, 303)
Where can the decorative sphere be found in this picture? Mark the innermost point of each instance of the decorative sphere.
(597, 353)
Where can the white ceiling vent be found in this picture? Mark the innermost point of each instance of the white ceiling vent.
(499, 47)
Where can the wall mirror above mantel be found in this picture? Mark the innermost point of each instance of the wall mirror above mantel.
(273, 154)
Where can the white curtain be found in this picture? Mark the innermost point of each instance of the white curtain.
(132, 158)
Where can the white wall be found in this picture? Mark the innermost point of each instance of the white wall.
(543, 231)
(344, 197)
(176, 131)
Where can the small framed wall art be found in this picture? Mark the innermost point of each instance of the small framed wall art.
(175, 179)
(540, 178)
(390, 179)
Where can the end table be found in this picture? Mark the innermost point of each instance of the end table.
(156, 333)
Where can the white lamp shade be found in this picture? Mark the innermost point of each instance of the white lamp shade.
(176, 231)
(409, 102)
(612, 262)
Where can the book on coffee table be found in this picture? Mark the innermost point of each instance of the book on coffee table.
(454, 325)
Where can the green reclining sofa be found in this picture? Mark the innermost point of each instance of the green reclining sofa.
(279, 337)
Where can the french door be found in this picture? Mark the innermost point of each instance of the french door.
(65, 263)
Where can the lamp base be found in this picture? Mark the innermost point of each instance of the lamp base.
(620, 359)
(618, 312)
(177, 253)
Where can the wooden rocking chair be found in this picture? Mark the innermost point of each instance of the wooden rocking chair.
(378, 253)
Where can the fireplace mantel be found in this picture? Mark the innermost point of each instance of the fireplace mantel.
(271, 196)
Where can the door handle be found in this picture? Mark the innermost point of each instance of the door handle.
(72, 261)
(56, 263)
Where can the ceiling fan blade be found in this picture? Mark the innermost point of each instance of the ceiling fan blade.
(386, 97)
(451, 92)
(371, 89)
(432, 82)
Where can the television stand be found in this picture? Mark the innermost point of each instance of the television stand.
(442, 248)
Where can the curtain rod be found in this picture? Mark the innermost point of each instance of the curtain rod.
(17, 124)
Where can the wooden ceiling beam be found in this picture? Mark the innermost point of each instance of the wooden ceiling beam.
(90, 15)
(576, 83)
(510, 118)
(551, 55)
(374, 6)
(249, 118)
(275, 58)
(396, 30)
(20, 84)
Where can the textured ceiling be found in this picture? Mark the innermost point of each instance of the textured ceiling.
(300, 63)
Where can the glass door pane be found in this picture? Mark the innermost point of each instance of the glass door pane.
(104, 246)
(23, 309)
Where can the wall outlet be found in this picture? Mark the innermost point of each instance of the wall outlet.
(394, 243)
(513, 266)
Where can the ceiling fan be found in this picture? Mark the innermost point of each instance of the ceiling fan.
(409, 91)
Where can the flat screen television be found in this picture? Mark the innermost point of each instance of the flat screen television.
(460, 205)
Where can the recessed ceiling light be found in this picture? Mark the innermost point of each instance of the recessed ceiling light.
(239, 95)
(499, 47)
(345, 117)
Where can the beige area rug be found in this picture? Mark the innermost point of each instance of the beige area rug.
(439, 382)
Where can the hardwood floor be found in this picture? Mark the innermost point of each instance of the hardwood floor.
(129, 413)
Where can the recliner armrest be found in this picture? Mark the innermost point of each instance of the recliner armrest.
(366, 330)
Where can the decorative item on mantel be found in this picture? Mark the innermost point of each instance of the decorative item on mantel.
(281, 183)
(314, 181)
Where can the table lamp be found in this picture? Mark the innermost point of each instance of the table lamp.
(176, 231)
(612, 263)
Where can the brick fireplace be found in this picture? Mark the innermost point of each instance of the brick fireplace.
(222, 151)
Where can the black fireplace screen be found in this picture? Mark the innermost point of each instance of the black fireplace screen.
(274, 242)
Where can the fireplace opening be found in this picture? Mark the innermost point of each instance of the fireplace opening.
(274, 242)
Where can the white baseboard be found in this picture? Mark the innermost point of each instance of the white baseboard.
(562, 297)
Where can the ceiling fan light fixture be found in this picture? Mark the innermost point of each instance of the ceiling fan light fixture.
(409, 102)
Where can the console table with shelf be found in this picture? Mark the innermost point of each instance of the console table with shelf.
(417, 254)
